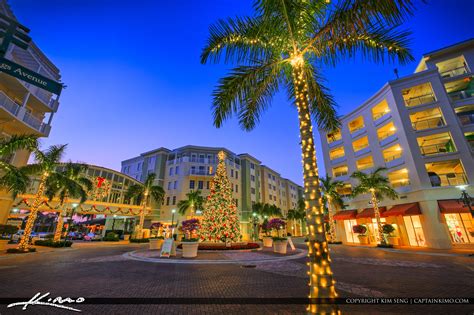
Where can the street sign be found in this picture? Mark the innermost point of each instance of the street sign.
(290, 241)
(168, 248)
(29, 76)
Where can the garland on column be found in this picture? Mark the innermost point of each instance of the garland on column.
(220, 219)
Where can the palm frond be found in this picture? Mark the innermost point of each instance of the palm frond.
(15, 143)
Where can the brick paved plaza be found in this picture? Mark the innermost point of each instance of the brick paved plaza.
(100, 271)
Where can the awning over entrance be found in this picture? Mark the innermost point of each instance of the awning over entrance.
(345, 215)
(404, 209)
(452, 206)
(369, 213)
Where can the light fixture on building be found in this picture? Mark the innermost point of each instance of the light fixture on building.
(465, 199)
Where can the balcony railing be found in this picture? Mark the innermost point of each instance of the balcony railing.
(379, 115)
(8, 104)
(428, 123)
(337, 156)
(200, 172)
(436, 149)
(360, 147)
(454, 72)
(334, 138)
(467, 119)
(421, 99)
(340, 173)
(400, 183)
(32, 121)
(392, 157)
(384, 135)
(461, 95)
(447, 179)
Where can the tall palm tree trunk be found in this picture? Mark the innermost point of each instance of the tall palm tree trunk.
(321, 282)
(59, 226)
(332, 226)
(23, 244)
(377, 218)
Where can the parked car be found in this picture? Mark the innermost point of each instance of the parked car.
(16, 237)
(75, 235)
(92, 237)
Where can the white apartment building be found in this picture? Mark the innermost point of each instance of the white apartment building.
(191, 168)
(24, 108)
(421, 127)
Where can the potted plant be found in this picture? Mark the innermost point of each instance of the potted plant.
(388, 229)
(189, 242)
(156, 240)
(280, 243)
(361, 230)
(267, 238)
(6, 231)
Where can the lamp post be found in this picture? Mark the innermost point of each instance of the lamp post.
(255, 231)
(73, 210)
(172, 221)
(465, 199)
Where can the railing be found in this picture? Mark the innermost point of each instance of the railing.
(385, 135)
(334, 138)
(466, 119)
(337, 156)
(447, 179)
(401, 183)
(422, 99)
(436, 149)
(393, 157)
(428, 123)
(357, 128)
(200, 172)
(461, 95)
(32, 121)
(340, 173)
(379, 115)
(8, 104)
(454, 72)
(360, 147)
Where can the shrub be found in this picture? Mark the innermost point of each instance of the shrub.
(139, 240)
(157, 238)
(388, 229)
(8, 229)
(51, 243)
(359, 229)
(276, 239)
(385, 245)
(222, 246)
(190, 240)
(111, 237)
(18, 251)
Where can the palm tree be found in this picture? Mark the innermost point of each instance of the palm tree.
(292, 215)
(194, 201)
(13, 180)
(332, 198)
(284, 46)
(379, 187)
(45, 166)
(142, 194)
(67, 182)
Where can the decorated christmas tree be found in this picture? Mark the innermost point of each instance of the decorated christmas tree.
(220, 219)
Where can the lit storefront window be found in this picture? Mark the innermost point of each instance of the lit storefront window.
(350, 235)
(374, 230)
(414, 229)
(460, 227)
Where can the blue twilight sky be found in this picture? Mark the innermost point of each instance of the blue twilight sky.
(135, 82)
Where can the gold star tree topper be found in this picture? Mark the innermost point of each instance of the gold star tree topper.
(221, 155)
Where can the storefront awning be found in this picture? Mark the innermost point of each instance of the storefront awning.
(452, 206)
(404, 209)
(345, 215)
(369, 213)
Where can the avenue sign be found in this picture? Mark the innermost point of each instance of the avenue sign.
(29, 76)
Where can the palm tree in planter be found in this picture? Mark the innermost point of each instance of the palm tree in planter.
(69, 181)
(292, 216)
(333, 200)
(379, 187)
(284, 46)
(301, 215)
(46, 163)
(193, 201)
(143, 193)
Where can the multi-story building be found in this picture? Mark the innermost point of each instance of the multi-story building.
(191, 168)
(420, 127)
(24, 108)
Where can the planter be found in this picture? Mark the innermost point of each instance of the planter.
(393, 240)
(3, 244)
(126, 237)
(190, 249)
(267, 241)
(363, 239)
(280, 247)
(156, 243)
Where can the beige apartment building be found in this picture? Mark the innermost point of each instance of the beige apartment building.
(191, 168)
(24, 108)
(421, 127)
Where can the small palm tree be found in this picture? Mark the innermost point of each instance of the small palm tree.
(143, 193)
(193, 201)
(292, 215)
(46, 163)
(67, 182)
(285, 45)
(301, 215)
(333, 200)
(13, 180)
(379, 187)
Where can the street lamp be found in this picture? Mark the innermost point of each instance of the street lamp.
(465, 199)
(255, 232)
(172, 216)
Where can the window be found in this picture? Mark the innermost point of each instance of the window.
(252, 191)
(167, 201)
(236, 202)
(175, 186)
(414, 230)
(236, 174)
(334, 136)
(208, 183)
(452, 67)
(351, 237)
(460, 227)
(200, 184)
(365, 163)
(231, 173)
(275, 198)
(273, 177)
(171, 171)
(344, 191)
(274, 188)
(460, 89)
(169, 185)
(399, 178)
(465, 114)
(427, 119)
(191, 184)
(356, 124)
(174, 200)
(436, 144)
(340, 171)
(386, 131)
(176, 170)
(446, 173)
(236, 188)
(360, 144)
(418, 95)
(380, 110)
(392, 153)
(269, 176)
(252, 178)
(336, 153)
(193, 170)
(252, 166)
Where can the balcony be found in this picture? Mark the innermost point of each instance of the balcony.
(428, 123)
(200, 172)
(436, 149)
(335, 143)
(454, 72)
(394, 161)
(461, 95)
(381, 118)
(338, 160)
(466, 118)
(420, 100)
(357, 132)
(8, 104)
(447, 179)
(388, 139)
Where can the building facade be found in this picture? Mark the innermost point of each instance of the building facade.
(191, 168)
(24, 108)
(421, 127)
